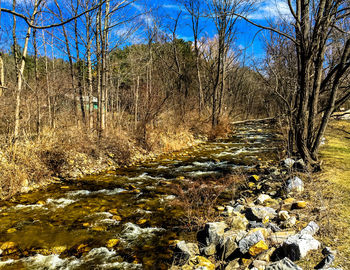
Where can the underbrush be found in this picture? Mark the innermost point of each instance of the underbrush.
(70, 151)
(200, 199)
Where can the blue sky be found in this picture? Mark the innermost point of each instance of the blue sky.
(265, 10)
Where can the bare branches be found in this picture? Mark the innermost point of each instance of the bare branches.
(266, 27)
(30, 24)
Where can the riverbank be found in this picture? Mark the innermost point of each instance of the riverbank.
(279, 221)
(73, 152)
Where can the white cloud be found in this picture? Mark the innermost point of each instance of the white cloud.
(176, 7)
(271, 9)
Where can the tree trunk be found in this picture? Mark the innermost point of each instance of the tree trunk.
(20, 70)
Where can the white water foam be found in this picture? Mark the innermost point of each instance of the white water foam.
(78, 193)
(28, 206)
(102, 258)
(60, 203)
(201, 173)
(101, 214)
(132, 232)
(109, 192)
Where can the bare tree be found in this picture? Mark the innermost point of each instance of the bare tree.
(221, 12)
(322, 68)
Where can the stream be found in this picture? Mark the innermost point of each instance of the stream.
(122, 219)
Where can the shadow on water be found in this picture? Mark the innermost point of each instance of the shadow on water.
(123, 219)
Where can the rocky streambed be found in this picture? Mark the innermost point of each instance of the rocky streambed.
(125, 219)
(261, 230)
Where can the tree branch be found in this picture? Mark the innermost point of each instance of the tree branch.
(266, 28)
(27, 20)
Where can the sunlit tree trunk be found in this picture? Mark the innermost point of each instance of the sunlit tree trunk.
(20, 68)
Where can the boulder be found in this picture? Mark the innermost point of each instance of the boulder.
(239, 208)
(212, 233)
(284, 264)
(228, 244)
(266, 256)
(278, 238)
(184, 251)
(237, 221)
(258, 264)
(273, 227)
(258, 213)
(233, 265)
(254, 224)
(297, 246)
(295, 184)
(209, 250)
(258, 248)
(311, 229)
(250, 240)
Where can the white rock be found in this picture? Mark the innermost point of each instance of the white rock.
(289, 162)
(311, 229)
(297, 246)
(295, 185)
(262, 198)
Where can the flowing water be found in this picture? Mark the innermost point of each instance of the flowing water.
(121, 219)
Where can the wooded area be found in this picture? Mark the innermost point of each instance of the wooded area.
(78, 64)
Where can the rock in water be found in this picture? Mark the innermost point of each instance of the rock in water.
(212, 233)
(285, 264)
(295, 185)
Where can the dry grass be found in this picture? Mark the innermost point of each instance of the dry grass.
(329, 194)
(200, 198)
(32, 161)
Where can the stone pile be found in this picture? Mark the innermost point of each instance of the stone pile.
(258, 232)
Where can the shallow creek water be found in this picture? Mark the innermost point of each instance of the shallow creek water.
(121, 219)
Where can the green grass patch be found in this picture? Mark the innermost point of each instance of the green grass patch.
(334, 184)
